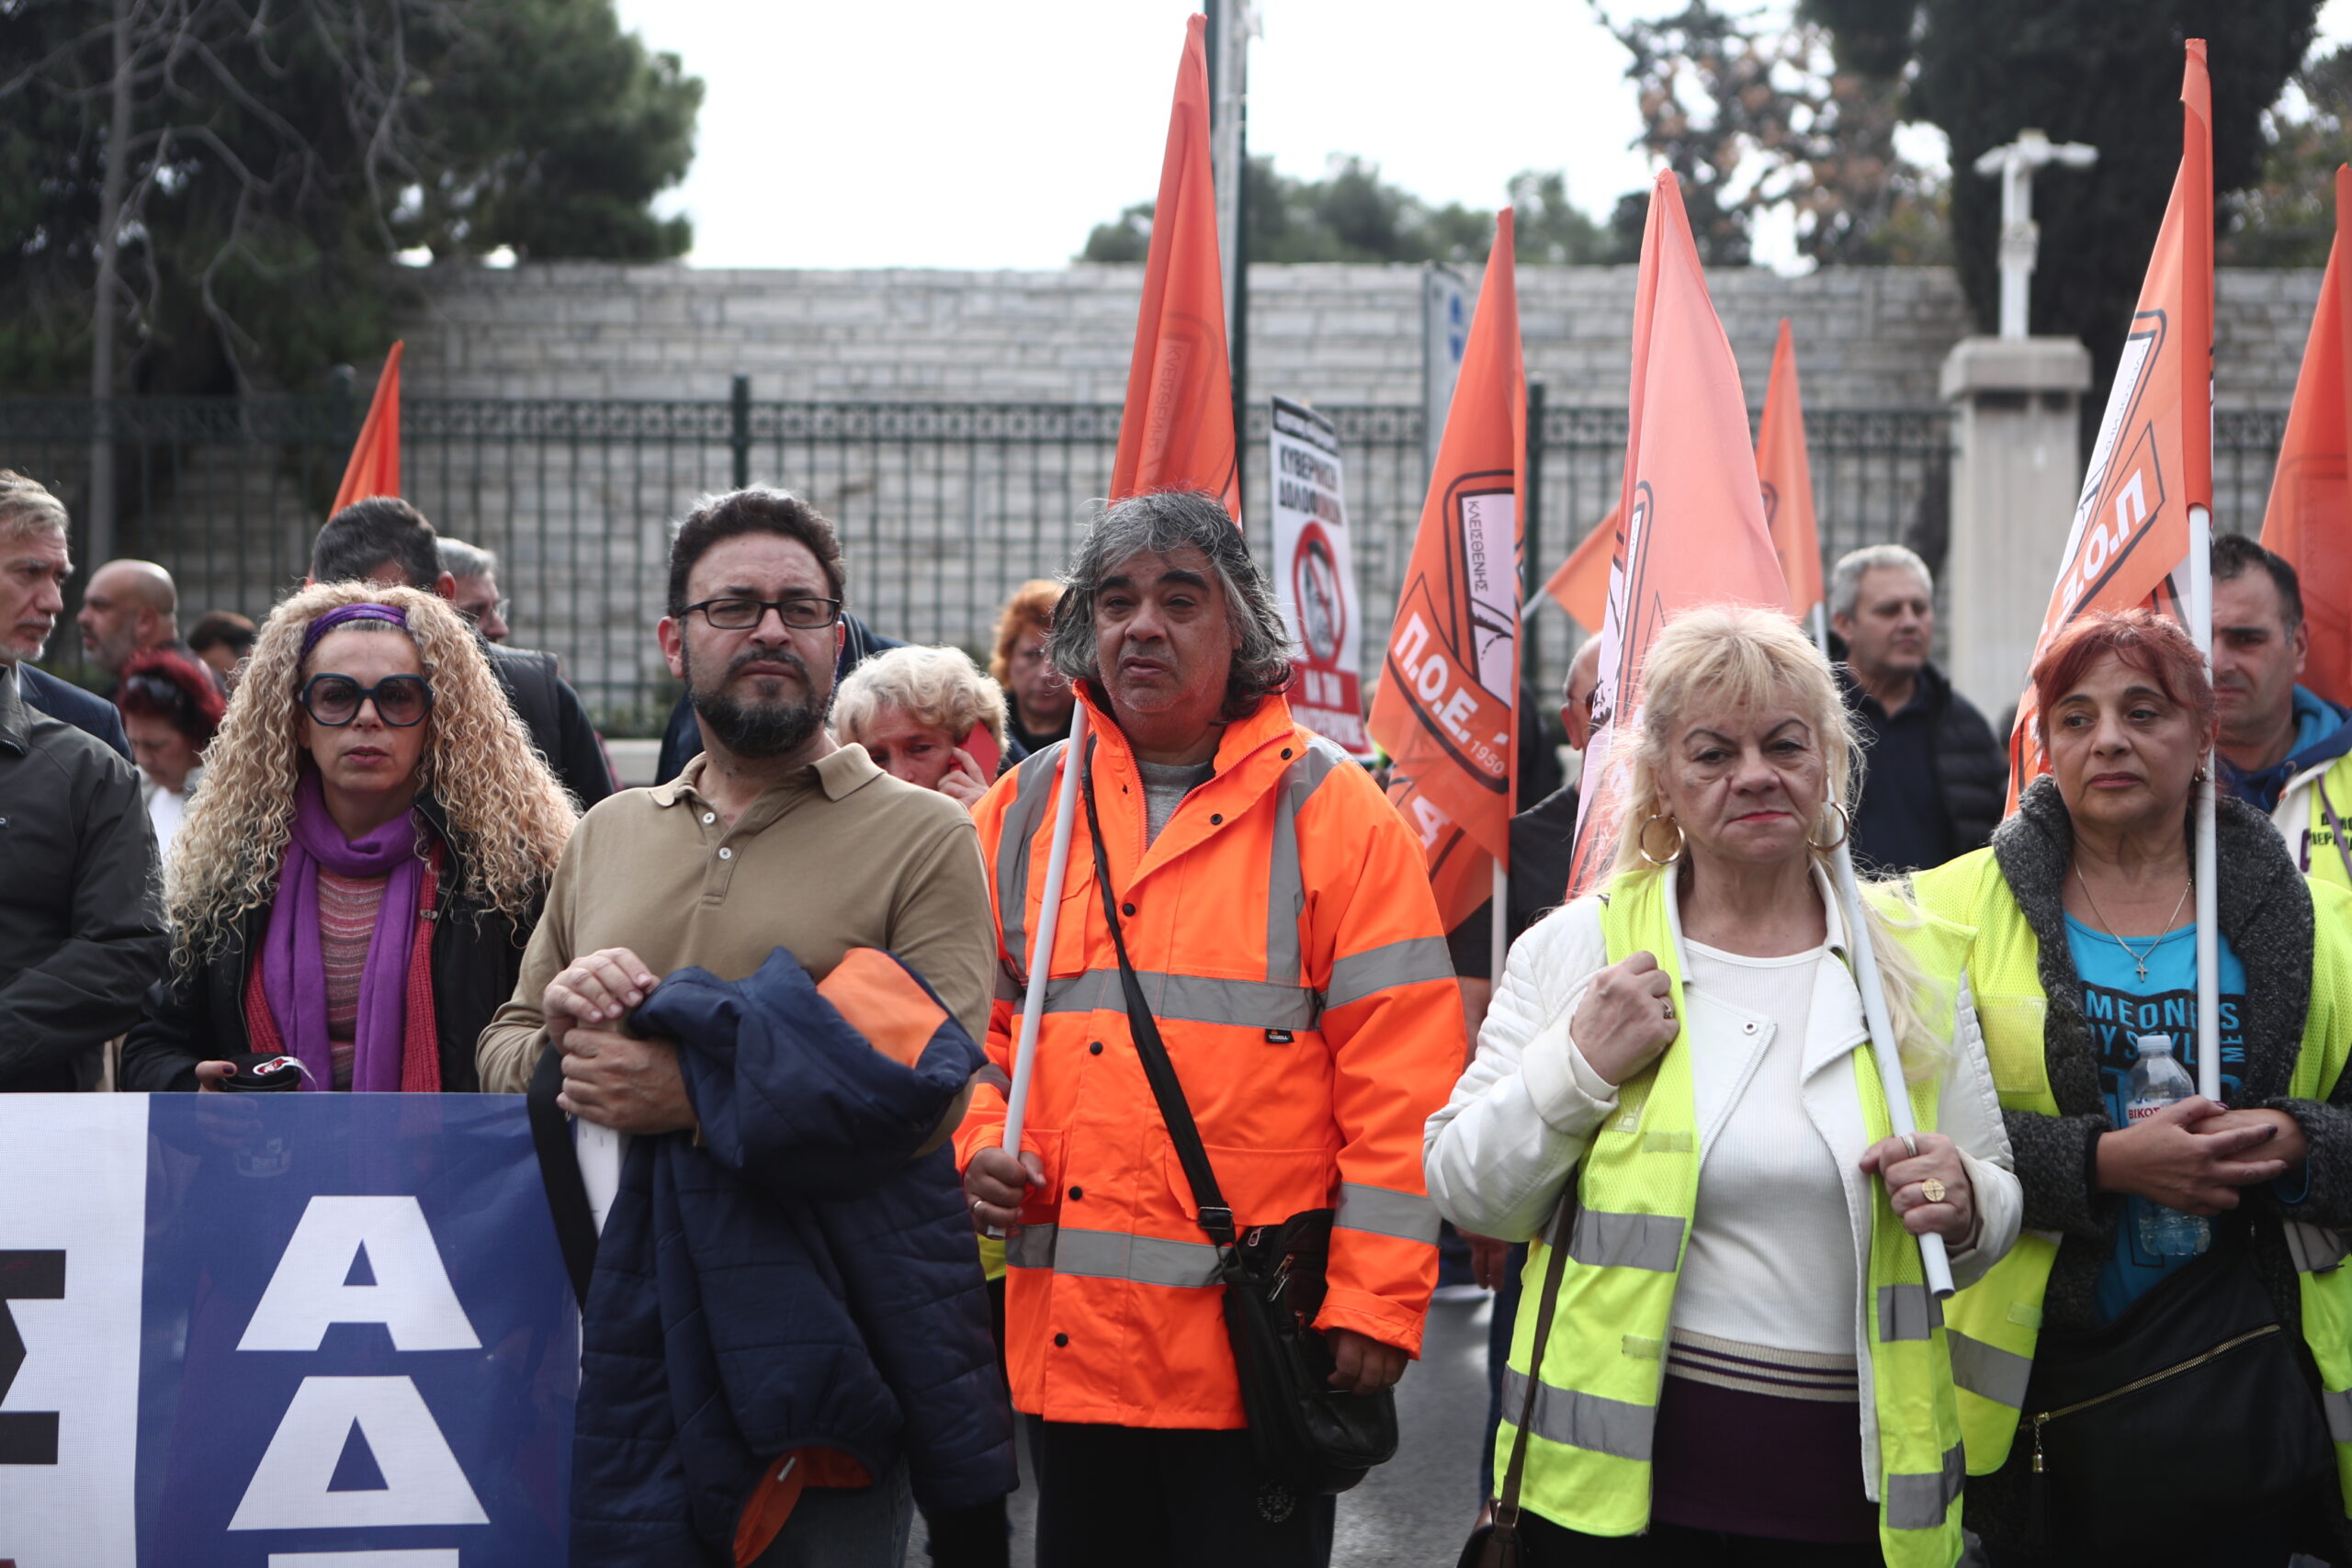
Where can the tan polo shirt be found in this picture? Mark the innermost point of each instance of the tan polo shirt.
(840, 855)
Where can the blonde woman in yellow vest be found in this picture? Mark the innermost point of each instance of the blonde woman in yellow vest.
(2178, 1377)
(1744, 1365)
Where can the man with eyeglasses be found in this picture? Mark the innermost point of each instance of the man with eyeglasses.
(473, 573)
(774, 836)
(81, 931)
(384, 539)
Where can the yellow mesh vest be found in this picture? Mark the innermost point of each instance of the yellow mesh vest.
(2327, 862)
(1595, 1396)
(1994, 1324)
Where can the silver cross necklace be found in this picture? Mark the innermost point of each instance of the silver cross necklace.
(2139, 958)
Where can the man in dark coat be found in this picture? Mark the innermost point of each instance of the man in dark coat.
(1934, 780)
(81, 930)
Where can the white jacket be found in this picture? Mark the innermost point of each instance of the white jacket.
(1500, 1153)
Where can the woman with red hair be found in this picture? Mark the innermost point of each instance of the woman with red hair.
(171, 708)
(2152, 1373)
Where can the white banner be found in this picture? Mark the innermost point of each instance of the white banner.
(1314, 574)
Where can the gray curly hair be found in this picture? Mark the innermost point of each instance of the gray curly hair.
(1159, 523)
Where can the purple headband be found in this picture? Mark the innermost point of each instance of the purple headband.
(342, 613)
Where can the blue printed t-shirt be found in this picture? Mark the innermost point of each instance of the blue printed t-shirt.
(2120, 1007)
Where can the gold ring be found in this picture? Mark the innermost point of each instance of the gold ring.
(1668, 1004)
(1932, 1189)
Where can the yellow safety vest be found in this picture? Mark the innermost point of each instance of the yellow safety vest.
(2322, 859)
(1994, 1323)
(1596, 1399)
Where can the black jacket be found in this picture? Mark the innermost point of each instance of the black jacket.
(551, 710)
(85, 711)
(81, 927)
(200, 1016)
(1972, 766)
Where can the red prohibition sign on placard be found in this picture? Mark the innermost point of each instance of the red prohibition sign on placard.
(1316, 588)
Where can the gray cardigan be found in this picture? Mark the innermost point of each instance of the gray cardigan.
(2264, 911)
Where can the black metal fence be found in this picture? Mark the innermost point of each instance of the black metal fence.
(944, 507)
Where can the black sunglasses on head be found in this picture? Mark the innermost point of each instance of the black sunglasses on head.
(334, 700)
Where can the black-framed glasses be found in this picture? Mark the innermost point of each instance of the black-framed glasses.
(806, 613)
(333, 700)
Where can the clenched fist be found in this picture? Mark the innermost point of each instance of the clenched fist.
(1626, 1019)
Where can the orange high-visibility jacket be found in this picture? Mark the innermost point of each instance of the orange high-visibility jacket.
(1283, 931)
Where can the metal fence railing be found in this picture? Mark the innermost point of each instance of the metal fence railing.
(944, 507)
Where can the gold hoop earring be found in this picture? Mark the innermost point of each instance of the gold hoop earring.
(1844, 828)
(1642, 839)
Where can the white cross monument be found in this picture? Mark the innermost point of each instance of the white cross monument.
(2020, 235)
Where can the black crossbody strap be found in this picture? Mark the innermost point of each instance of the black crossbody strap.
(1216, 1219)
(2335, 828)
(1555, 1267)
(576, 1221)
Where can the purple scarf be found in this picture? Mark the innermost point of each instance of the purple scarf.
(294, 972)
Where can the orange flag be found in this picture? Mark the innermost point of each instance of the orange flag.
(2310, 517)
(2154, 458)
(1446, 708)
(1176, 432)
(1787, 477)
(1690, 527)
(374, 465)
(1581, 585)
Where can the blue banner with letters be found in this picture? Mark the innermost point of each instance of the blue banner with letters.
(281, 1331)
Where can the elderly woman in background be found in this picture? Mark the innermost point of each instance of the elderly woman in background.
(170, 709)
(918, 711)
(1741, 1362)
(1040, 699)
(354, 885)
(2185, 1248)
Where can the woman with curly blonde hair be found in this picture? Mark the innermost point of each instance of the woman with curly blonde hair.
(356, 883)
(915, 710)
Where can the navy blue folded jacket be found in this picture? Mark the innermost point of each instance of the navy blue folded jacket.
(803, 1277)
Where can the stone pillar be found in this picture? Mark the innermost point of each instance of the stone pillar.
(2015, 479)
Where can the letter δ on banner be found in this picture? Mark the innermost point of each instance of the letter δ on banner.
(2309, 520)
(1448, 685)
(2154, 458)
(1314, 574)
(324, 1330)
(1690, 518)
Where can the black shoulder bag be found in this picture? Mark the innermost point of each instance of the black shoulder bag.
(1307, 1435)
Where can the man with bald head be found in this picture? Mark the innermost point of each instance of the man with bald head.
(130, 607)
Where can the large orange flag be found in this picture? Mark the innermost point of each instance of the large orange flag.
(2310, 517)
(374, 465)
(1581, 585)
(2154, 458)
(1444, 711)
(1786, 475)
(1691, 519)
(1176, 432)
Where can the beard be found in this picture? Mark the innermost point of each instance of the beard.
(764, 728)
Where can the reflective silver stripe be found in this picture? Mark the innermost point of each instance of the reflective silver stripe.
(1146, 1260)
(1407, 963)
(2339, 1405)
(1613, 1427)
(1029, 1246)
(1920, 1501)
(1603, 1240)
(2315, 1248)
(1906, 1312)
(1379, 1210)
(1285, 884)
(1195, 999)
(1019, 824)
(1987, 1370)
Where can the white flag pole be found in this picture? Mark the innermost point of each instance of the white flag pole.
(1883, 1043)
(1820, 620)
(1040, 945)
(2208, 955)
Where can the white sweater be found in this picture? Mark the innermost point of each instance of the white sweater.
(1502, 1152)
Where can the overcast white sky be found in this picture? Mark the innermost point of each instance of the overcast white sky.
(944, 133)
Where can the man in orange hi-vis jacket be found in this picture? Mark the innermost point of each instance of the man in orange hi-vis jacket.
(1279, 918)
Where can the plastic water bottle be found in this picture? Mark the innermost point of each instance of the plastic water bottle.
(2157, 1081)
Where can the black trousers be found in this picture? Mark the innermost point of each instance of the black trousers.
(1671, 1546)
(1142, 1497)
